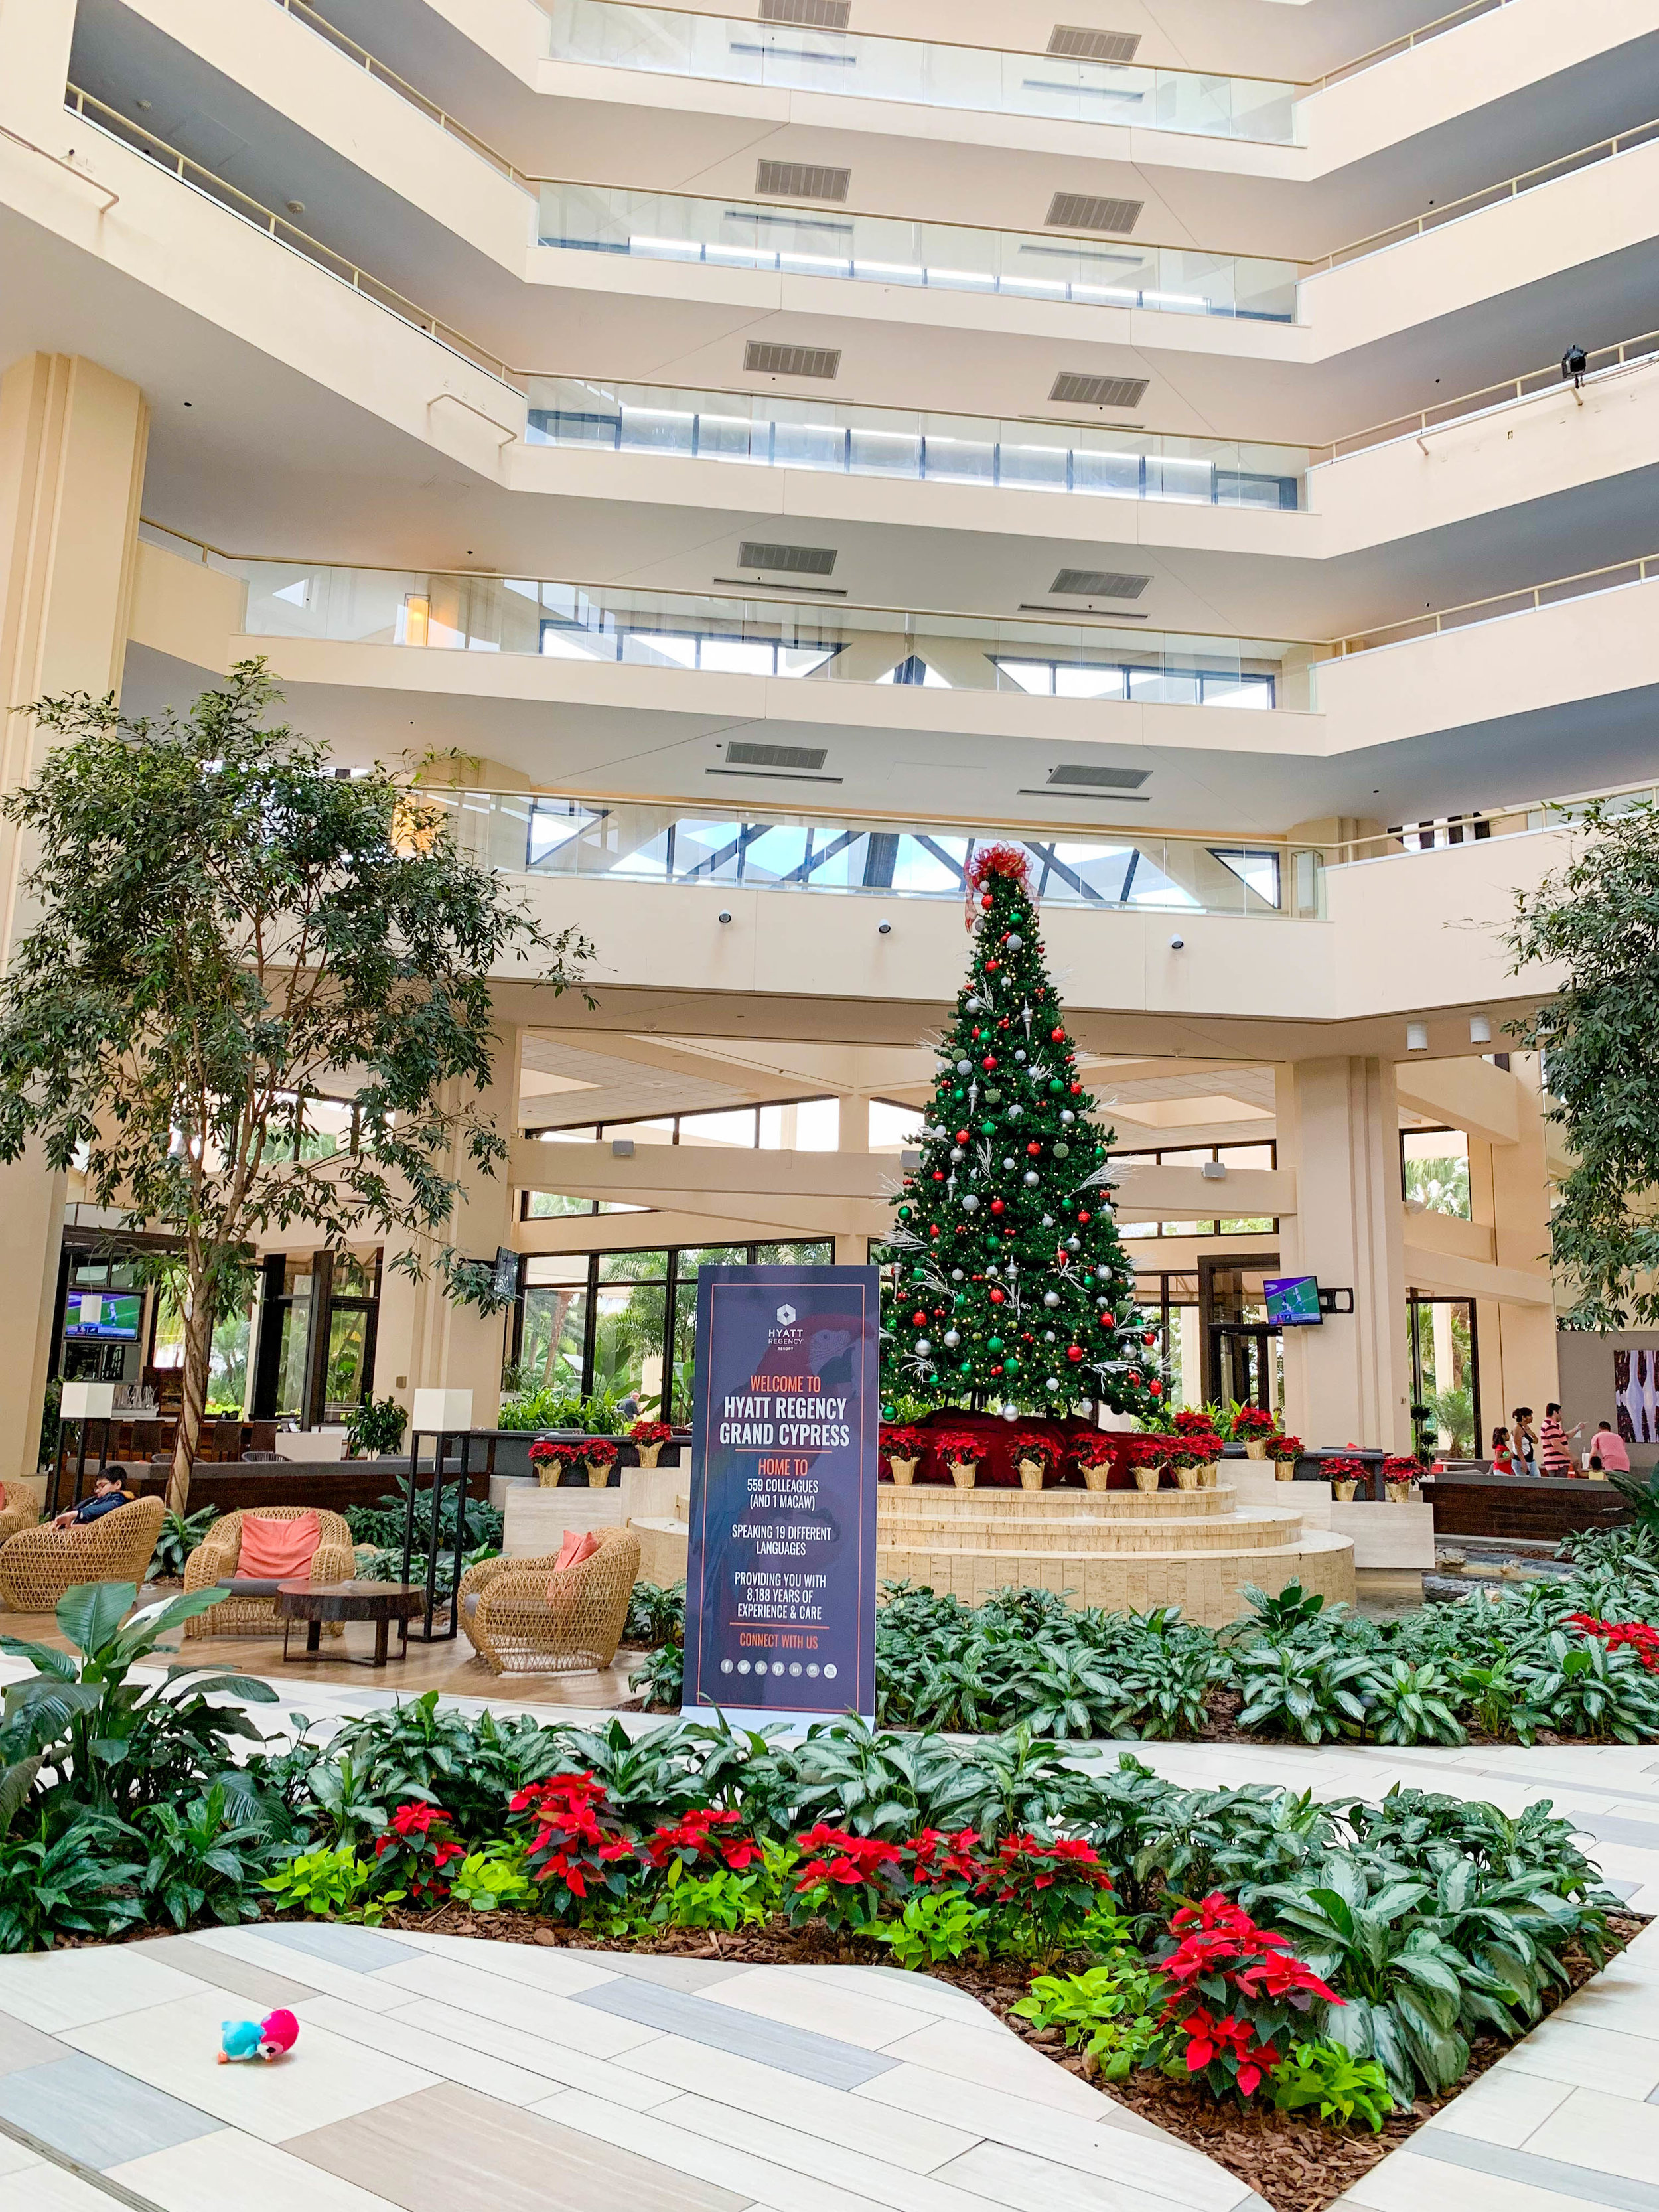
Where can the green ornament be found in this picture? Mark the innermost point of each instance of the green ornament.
(993, 1344)
(1054, 1083)
(966, 1368)
(1011, 1365)
(1062, 1152)
(958, 1092)
(988, 1128)
(904, 1213)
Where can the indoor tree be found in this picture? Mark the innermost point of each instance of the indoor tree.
(226, 929)
(1595, 922)
(1013, 1285)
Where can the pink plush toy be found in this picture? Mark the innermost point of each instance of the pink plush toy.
(242, 2039)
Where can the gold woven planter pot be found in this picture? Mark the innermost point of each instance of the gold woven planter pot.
(1098, 1478)
(598, 1473)
(1285, 1470)
(904, 1471)
(964, 1473)
(1146, 1478)
(648, 1454)
(1030, 1474)
(1256, 1447)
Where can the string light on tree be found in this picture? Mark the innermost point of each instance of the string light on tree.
(1010, 1261)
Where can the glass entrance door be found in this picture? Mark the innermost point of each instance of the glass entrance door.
(1243, 1357)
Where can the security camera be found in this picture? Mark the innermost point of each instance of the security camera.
(884, 929)
(725, 914)
(1176, 944)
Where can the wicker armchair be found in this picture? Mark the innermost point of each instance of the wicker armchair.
(38, 1565)
(519, 1629)
(21, 1511)
(216, 1556)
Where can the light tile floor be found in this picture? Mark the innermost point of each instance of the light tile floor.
(434, 2071)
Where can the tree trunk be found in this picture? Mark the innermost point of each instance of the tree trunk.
(199, 1346)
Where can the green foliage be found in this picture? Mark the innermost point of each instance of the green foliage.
(935, 1929)
(180, 1534)
(1010, 1173)
(225, 925)
(656, 1615)
(1114, 2011)
(204, 1862)
(68, 1873)
(724, 1901)
(533, 1404)
(376, 1425)
(329, 1885)
(117, 1744)
(471, 1765)
(1595, 924)
(1347, 2089)
(383, 1523)
(494, 1879)
(659, 1678)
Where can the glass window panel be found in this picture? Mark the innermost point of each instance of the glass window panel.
(554, 1325)
(892, 1128)
(291, 1360)
(739, 656)
(628, 1340)
(658, 1132)
(809, 446)
(730, 437)
(297, 1275)
(685, 1346)
(633, 1266)
(615, 1205)
(1436, 1170)
(1246, 1156)
(1136, 1229)
(815, 1254)
(886, 452)
(648, 649)
(712, 1255)
(549, 1205)
(1258, 1225)
(1085, 683)
(1115, 474)
(227, 1362)
(734, 1128)
(327, 1128)
(930, 864)
(347, 1361)
(652, 429)
(1036, 676)
(817, 1125)
(1037, 468)
(963, 461)
(1186, 1155)
(541, 1269)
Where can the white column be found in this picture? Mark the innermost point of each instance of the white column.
(1339, 1129)
(72, 445)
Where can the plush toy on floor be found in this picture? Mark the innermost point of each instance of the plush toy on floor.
(258, 2039)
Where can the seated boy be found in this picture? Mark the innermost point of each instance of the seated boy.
(106, 1494)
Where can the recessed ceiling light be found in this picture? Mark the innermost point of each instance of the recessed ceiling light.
(294, 207)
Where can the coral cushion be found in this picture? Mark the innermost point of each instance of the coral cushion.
(278, 1551)
(579, 1545)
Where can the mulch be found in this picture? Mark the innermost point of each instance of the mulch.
(1292, 2162)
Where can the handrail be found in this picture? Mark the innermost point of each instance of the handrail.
(1598, 362)
(1404, 44)
(1528, 599)
(376, 68)
(1605, 150)
(259, 217)
(778, 593)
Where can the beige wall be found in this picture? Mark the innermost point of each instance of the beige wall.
(72, 445)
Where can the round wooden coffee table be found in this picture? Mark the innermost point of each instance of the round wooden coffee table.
(381, 1602)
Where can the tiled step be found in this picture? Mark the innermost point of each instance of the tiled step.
(934, 1498)
(1054, 1538)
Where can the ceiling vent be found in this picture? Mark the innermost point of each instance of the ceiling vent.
(1083, 211)
(790, 560)
(800, 180)
(1078, 45)
(1099, 391)
(1100, 779)
(762, 360)
(814, 15)
(1099, 584)
(740, 753)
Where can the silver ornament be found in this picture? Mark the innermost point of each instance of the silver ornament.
(956, 1155)
(952, 1338)
(971, 1204)
(1009, 1165)
(1031, 1179)
(1066, 1114)
(994, 1269)
(1047, 1220)
(1073, 1244)
(972, 1005)
(1016, 943)
(1014, 1113)
(923, 1347)
(1051, 1384)
(1051, 1297)
(955, 1275)
(964, 1067)
(1048, 1336)
(1010, 1412)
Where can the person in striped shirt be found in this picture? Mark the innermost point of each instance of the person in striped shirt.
(1555, 1445)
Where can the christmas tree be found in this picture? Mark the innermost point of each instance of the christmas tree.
(1014, 1289)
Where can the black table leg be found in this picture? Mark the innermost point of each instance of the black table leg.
(313, 1636)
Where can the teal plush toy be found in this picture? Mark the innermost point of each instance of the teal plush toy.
(241, 2040)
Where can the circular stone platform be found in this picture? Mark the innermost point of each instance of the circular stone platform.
(1123, 1550)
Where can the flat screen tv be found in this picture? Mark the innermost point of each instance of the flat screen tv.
(1292, 1301)
(107, 1316)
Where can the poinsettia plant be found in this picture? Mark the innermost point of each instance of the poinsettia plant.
(1101, 1447)
(1193, 1420)
(577, 1848)
(1236, 1990)
(1403, 1467)
(1280, 1445)
(1639, 1635)
(903, 1440)
(1337, 1469)
(1251, 1421)
(848, 1881)
(1031, 1443)
(956, 1447)
(1195, 1449)
(419, 1841)
(648, 1433)
(599, 1451)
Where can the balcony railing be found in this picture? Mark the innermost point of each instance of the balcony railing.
(673, 42)
(1528, 600)
(649, 842)
(1105, 659)
(761, 430)
(833, 242)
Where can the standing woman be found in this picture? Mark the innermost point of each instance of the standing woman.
(1555, 1445)
(1522, 1441)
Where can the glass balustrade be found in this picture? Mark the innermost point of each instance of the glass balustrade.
(1102, 660)
(638, 842)
(670, 41)
(814, 242)
(764, 430)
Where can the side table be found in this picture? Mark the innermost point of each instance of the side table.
(381, 1602)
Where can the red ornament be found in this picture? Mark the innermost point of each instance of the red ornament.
(1056, 1036)
(997, 1370)
(933, 1231)
(1033, 1149)
(1156, 1389)
(991, 966)
(1074, 1351)
(989, 1060)
(962, 1136)
(996, 1206)
(985, 900)
(1106, 1322)
(920, 1319)
(977, 1030)
(997, 1295)
(1149, 1338)
(1085, 1218)
(1133, 1377)
(1076, 1087)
